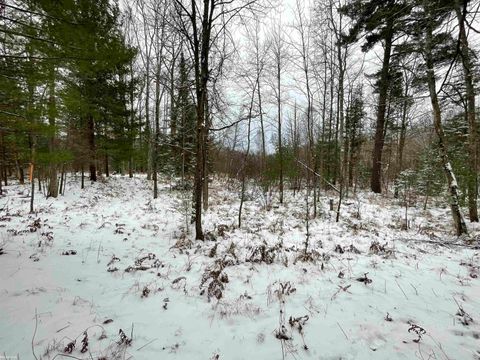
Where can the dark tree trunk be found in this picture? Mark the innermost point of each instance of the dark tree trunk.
(52, 170)
(62, 180)
(32, 170)
(376, 178)
(472, 131)
(4, 162)
(92, 150)
(82, 186)
(107, 170)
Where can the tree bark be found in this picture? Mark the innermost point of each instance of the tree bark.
(279, 115)
(376, 178)
(472, 126)
(53, 181)
(2, 163)
(459, 222)
(82, 185)
(92, 150)
(107, 170)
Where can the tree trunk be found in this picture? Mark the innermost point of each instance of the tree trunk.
(403, 133)
(262, 130)
(472, 126)
(62, 180)
(206, 148)
(32, 170)
(279, 114)
(2, 163)
(376, 178)
(148, 132)
(132, 123)
(52, 112)
(92, 150)
(82, 186)
(460, 226)
(245, 158)
(107, 170)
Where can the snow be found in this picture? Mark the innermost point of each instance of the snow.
(421, 284)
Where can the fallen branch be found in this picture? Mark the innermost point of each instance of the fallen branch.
(444, 244)
(320, 176)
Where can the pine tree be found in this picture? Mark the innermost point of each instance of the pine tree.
(354, 118)
(183, 141)
(381, 21)
(436, 47)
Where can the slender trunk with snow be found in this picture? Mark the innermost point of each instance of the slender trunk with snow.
(459, 222)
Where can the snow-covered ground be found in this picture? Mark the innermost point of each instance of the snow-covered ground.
(110, 258)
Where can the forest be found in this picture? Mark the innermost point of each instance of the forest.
(239, 179)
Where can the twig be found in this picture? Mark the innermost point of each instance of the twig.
(34, 333)
(318, 175)
(439, 346)
(63, 328)
(401, 289)
(444, 244)
(344, 333)
(151, 341)
(66, 355)
(88, 328)
(414, 288)
(98, 253)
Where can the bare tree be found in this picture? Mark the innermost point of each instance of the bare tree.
(201, 23)
(279, 56)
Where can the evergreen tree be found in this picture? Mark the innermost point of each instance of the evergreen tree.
(354, 118)
(381, 21)
(183, 140)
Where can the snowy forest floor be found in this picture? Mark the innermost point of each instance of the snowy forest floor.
(109, 257)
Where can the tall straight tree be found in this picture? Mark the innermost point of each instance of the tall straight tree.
(99, 58)
(279, 55)
(381, 21)
(468, 70)
(201, 22)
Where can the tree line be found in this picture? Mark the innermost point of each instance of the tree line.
(329, 95)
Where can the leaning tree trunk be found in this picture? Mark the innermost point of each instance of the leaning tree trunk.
(262, 132)
(376, 178)
(460, 226)
(472, 131)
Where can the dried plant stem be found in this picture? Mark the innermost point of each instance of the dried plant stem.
(34, 333)
(344, 333)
